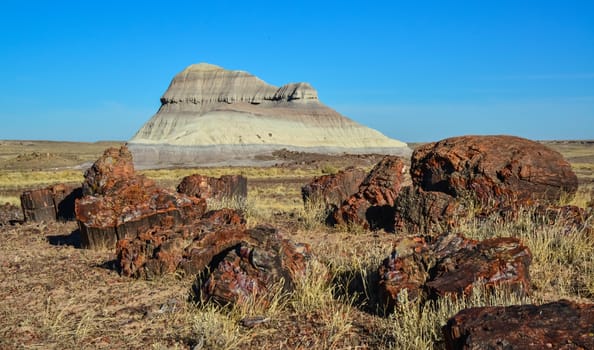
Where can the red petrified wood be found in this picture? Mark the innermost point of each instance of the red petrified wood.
(334, 189)
(372, 205)
(120, 204)
(557, 325)
(452, 265)
(499, 173)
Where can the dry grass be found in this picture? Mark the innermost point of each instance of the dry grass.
(54, 295)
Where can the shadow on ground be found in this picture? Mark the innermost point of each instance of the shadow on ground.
(73, 239)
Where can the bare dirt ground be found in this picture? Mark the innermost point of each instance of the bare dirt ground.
(55, 295)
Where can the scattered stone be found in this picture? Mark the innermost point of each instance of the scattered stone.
(334, 189)
(254, 268)
(50, 204)
(227, 186)
(452, 265)
(557, 325)
(479, 176)
(166, 248)
(373, 205)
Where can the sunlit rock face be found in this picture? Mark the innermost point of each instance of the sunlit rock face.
(213, 116)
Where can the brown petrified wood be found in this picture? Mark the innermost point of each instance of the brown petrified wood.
(452, 265)
(479, 176)
(263, 262)
(500, 169)
(227, 186)
(372, 205)
(121, 204)
(189, 247)
(52, 203)
(557, 325)
(333, 189)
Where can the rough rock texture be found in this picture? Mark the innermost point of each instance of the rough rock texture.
(258, 119)
(121, 204)
(500, 170)
(452, 265)
(190, 247)
(227, 186)
(499, 173)
(372, 206)
(334, 189)
(50, 204)
(251, 269)
(556, 325)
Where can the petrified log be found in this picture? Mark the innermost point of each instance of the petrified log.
(452, 265)
(38, 205)
(557, 325)
(493, 174)
(52, 203)
(227, 186)
(190, 247)
(419, 212)
(120, 204)
(334, 189)
(372, 205)
(496, 170)
(251, 269)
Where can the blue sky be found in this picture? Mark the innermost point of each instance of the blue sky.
(415, 70)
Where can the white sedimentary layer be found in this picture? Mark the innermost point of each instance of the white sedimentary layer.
(208, 106)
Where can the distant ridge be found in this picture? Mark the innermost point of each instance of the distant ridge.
(213, 116)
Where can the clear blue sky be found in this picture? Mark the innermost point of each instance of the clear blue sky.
(415, 70)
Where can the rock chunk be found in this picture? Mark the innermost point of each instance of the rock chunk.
(53, 203)
(191, 247)
(334, 189)
(557, 325)
(372, 205)
(251, 269)
(227, 186)
(499, 173)
(452, 265)
(504, 169)
(121, 204)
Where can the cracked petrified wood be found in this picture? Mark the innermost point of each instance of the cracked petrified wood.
(333, 189)
(226, 186)
(263, 262)
(557, 325)
(191, 247)
(452, 265)
(372, 205)
(119, 203)
(52, 203)
(492, 174)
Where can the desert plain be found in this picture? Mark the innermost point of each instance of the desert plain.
(54, 294)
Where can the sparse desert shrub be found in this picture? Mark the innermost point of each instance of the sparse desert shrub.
(313, 214)
(418, 326)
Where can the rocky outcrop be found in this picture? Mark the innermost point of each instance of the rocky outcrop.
(452, 266)
(227, 186)
(372, 206)
(121, 204)
(491, 174)
(53, 203)
(259, 119)
(556, 325)
(333, 189)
